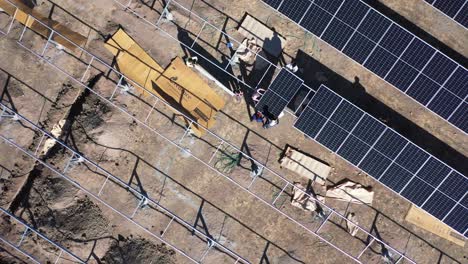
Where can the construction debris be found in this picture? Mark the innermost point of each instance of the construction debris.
(302, 200)
(352, 192)
(266, 38)
(177, 84)
(305, 165)
(23, 15)
(351, 224)
(247, 51)
(429, 223)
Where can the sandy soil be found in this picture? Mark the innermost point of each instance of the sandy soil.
(147, 163)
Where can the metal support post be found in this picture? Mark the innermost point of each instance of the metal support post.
(24, 29)
(58, 257)
(252, 182)
(143, 201)
(198, 35)
(12, 20)
(102, 186)
(323, 223)
(399, 259)
(263, 76)
(216, 152)
(47, 43)
(167, 227)
(163, 13)
(68, 163)
(206, 252)
(87, 69)
(302, 102)
(26, 231)
(279, 194)
(186, 131)
(231, 59)
(39, 145)
(117, 87)
(152, 108)
(368, 245)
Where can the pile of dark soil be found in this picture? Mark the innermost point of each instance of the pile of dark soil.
(138, 251)
(56, 208)
(93, 112)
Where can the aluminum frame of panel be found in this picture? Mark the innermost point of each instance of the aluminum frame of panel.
(390, 158)
(272, 103)
(344, 23)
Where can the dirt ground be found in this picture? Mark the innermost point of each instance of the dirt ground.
(137, 148)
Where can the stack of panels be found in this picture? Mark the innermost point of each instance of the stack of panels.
(387, 156)
(388, 50)
(280, 93)
(455, 9)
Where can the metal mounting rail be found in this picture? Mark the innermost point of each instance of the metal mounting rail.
(190, 47)
(144, 198)
(205, 23)
(143, 123)
(27, 229)
(37, 159)
(24, 253)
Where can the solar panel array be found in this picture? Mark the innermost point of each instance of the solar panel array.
(388, 50)
(387, 156)
(280, 93)
(455, 9)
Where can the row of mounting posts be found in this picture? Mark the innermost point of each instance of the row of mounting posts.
(76, 158)
(166, 8)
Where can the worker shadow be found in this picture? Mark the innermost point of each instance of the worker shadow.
(266, 60)
(214, 66)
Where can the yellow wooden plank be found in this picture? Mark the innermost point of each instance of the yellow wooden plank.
(429, 223)
(177, 84)
(305, 165)
(23, 15)
(185, 77)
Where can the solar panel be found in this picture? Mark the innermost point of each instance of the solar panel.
(294, 9)
(417, 191)
(459, 116)
(316, 20)
(337, 34)
(388, 50)
(358, 47)
(385, 155)
(455, 9)
(280, 93)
